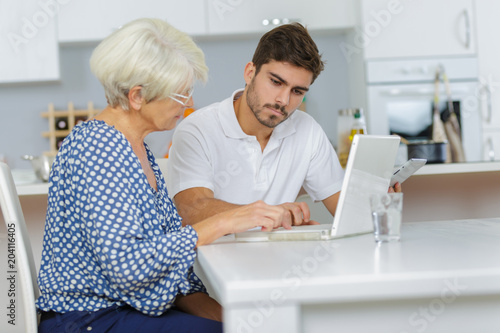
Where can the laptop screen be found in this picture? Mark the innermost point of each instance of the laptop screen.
(369, 169)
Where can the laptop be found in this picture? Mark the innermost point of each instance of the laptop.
(369, 169)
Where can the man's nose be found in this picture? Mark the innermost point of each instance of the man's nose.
(283, 98)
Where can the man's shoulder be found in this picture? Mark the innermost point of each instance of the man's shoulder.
(303, 121)
(302, 115)
(205, 116)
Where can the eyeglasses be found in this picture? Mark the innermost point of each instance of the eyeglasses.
(182, 99)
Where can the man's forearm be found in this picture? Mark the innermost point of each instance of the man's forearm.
(331, 203)
(201, 209)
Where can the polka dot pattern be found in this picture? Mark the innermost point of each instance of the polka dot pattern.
(110, 238)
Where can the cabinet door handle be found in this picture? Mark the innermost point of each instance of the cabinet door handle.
(489, 109)
(490, 150)
(467, 29)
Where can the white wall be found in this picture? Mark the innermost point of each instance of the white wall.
(22, 125)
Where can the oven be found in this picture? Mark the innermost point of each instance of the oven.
(400, 95)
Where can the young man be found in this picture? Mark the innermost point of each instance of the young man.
(255, 145)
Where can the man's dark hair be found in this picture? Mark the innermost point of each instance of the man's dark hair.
(289, 43)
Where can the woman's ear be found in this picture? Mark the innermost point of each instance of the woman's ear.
(135, 98)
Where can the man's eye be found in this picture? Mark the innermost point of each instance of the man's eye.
(298, 92)
(275, 82)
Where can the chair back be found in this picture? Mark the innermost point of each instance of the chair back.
(24, 265)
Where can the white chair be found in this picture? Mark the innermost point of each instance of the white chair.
(24, 262)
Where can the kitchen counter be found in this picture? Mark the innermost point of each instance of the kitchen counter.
(28, 184)
(443, 276)
(450, 168)
(435, 192)
(452, 191)
(32, 189)
(39, 188)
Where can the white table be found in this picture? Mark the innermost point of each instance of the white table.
(441, 277)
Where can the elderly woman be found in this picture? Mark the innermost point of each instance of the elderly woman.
(115, 255)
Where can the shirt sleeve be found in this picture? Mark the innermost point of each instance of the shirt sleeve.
(144, 268)
(325, 174)
(189, 163)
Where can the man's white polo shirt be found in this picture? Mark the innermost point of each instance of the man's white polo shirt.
(209, 149)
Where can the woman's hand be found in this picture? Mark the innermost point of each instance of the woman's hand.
(257, 214)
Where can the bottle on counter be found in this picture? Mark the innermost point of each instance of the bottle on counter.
(345, 121)
(303, 105)
(358, 125)
(350, 122)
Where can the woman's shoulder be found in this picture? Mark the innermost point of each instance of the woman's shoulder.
(94, 131)
(93, 137)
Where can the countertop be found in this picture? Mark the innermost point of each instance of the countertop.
(442, 276)
(38, 188)
(28, 184)
(358, 269)
(449, 168)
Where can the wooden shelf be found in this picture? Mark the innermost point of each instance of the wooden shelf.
(57, 133)
(61, 113)
(71, 115)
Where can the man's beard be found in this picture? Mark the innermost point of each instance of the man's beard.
(253, 103)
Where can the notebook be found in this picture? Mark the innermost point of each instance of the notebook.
(369, 169)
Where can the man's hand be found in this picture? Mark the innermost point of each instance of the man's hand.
(296, 213)
(396, 188)
(257, 214)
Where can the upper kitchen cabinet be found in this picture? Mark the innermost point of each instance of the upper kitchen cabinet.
(28, 41)
(489, 61)
(491, 145)
(227, 17)
(93, 20)
(407, 28)
(488, 93)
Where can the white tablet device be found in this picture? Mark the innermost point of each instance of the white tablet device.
(406, 170)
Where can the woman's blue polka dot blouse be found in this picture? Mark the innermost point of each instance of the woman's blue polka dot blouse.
(110, 238)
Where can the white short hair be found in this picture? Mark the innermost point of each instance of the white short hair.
(149, 53)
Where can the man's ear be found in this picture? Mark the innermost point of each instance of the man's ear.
(135, 98)
(249, 72)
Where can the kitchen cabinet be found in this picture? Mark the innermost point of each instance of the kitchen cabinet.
(29, 45)
(93, 20)
(393, 29)
(257, 16)
(491, 145)
(489, 75)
